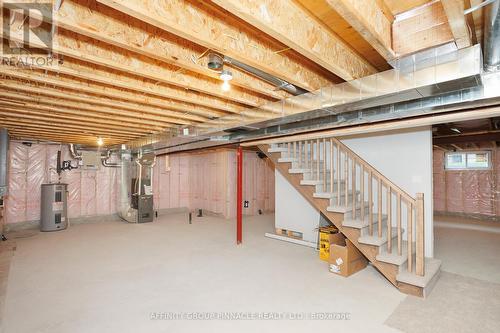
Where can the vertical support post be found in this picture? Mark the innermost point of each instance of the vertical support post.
(339, 177)
(419, 234)
(398, 215)
(370, 203)
(409, 236)
(331, 166)
(318, 157)
(324, 165)
(239, 197)
(389, 219)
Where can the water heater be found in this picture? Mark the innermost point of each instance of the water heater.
(54, 207)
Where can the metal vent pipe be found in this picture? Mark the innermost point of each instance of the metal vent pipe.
(491, 45)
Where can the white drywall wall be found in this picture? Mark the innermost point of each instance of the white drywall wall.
(293, 212)
(405, 157)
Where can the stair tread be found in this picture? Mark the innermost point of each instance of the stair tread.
(277, 150)
(375, 239)
(329, 195)
(432, 267)
(345, 208)
(299, 170)
(394, 257)
(362, 223)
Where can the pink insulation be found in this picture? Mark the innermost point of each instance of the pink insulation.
(469, 192)
(205, 180)
(90, 192)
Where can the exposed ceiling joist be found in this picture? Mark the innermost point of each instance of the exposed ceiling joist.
(83, 116)
(64, 120)
(29, 97)
(98, 22)
(215, 30)
(454, 10)
(75, 129)
(280, 20)
(370, 20)
(82, 48)
(95, 101)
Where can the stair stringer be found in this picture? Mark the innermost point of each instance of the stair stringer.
(389, 271)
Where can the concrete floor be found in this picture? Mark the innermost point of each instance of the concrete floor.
(110, 277)
(113, 277)
(472, 253)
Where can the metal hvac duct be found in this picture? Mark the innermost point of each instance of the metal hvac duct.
(491, 45)
(4, 148)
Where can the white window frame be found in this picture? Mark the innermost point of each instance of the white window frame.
(466, 152)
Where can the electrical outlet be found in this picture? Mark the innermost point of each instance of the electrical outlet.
(246, 204)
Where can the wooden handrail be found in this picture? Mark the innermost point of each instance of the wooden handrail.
(344, 167)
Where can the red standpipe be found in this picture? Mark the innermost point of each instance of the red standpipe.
(239, 198)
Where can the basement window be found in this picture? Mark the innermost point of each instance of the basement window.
(478, 160)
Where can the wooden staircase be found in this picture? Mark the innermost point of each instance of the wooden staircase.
(384, 222)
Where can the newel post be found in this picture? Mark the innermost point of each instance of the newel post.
(420, 236)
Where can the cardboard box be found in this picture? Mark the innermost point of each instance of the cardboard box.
(345, 259)
(324, 241)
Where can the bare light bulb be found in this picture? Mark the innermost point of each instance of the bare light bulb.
(226, 86)
(100, 141)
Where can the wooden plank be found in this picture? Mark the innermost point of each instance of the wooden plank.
(91, 119)
(426, 27)
(21, 124)
(454, 10)
(214, 29)
(398, 216)
(76, 84)
(16, 114)
(98, 102)
(65, 103)
(103, 24)
(85, 49)
(409, 237)
(369, 20)
(389, 219)
(420, 236)
(279, 20)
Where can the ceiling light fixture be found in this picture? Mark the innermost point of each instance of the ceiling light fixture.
(226, 86)
(456, 130)
(100, 141)
(226, 75)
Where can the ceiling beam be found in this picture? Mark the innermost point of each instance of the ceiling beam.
(57, 127)
(425, 28)
(213, 29)
(96, 87)
(454, 10)
(174, 97)
(85, 49)
(99, 22)
(370, 20)
(19, 134)
(280, 20)
(468, 138)
(30, 97)
(174, 117)
(90, 117)
(15, 114)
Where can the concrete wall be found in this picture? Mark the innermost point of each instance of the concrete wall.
(405, 157)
